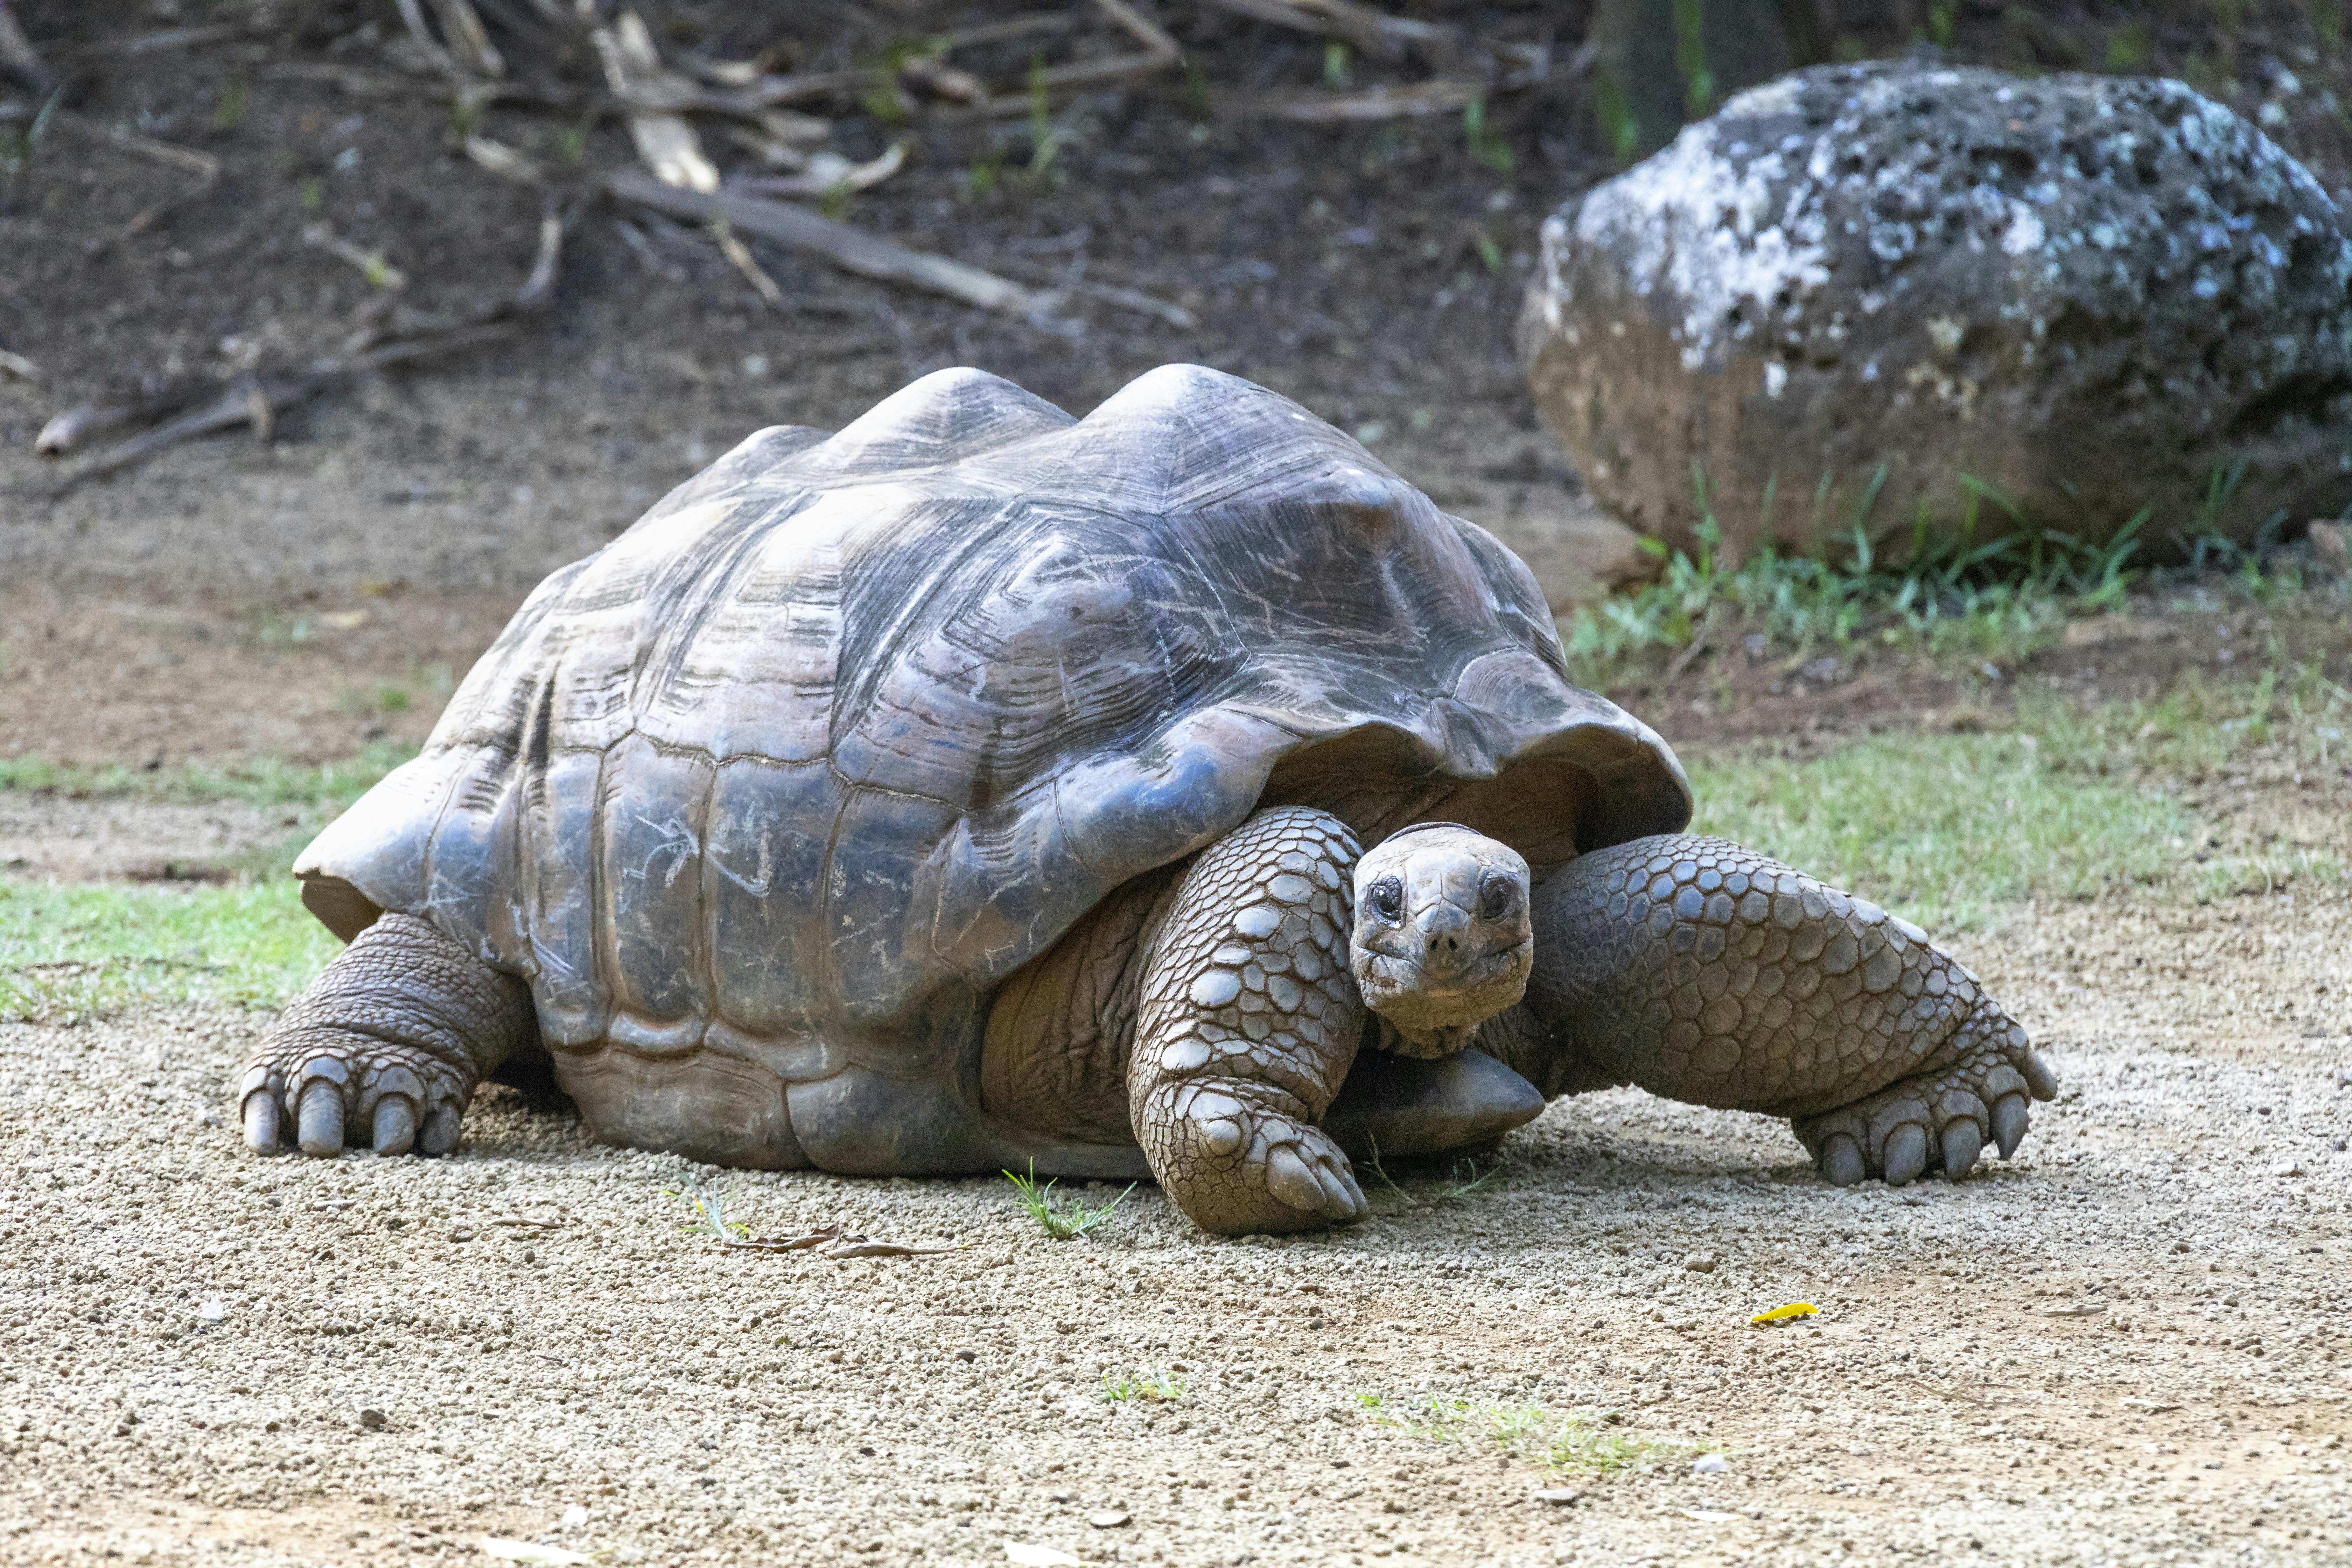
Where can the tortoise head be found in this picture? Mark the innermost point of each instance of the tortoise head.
(1442, 940)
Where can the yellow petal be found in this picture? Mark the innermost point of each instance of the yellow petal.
(1781, 1314)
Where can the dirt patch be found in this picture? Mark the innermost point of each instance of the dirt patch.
(46, 835)
(102, 679)
(2132, 1336)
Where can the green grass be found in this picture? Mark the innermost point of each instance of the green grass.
(1064, 1217)
(309, 795)
(263, 782)
(709, 1212)
(1466, 1181)
(1941, 828)
(74, 952)
(2074, 802)
(1151, 1385)
(1998, 585)
(1585, 1441)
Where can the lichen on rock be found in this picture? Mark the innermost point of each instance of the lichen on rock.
(2085, 294)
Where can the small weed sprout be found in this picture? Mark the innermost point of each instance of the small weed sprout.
(709, 1214)
(1153, 1384)
(1064, 1217)
(1467, 1180)
(1585, 1441)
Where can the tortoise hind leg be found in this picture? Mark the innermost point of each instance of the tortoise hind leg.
(386, 1046)
(1245, 1026)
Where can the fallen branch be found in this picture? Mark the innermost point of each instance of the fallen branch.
(1374, 104)
(825, 173)
(83, 423)
(203, 165)
(1374, 33)
(468, 52)
(851, 248)
(1160, 51)
(257, 399)
(665, 141)
(18, 58)
(1134, 300)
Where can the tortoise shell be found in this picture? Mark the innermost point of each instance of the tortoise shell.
(792, 774)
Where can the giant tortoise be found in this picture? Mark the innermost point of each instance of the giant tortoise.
(977, 785)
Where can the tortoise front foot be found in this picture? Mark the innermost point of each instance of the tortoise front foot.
(1238, 1165)
(333, 1089)
(1246, 1024)
(1936, 1120)
(384, 1050)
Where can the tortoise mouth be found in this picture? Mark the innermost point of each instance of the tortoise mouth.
(1443, 1015)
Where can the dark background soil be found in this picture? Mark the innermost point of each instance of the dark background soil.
(300, 596)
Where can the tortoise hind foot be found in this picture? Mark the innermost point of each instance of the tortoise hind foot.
(1246, 1023)
(384, 1048)
(1940, 1120)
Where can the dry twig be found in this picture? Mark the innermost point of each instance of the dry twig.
(664, 141)
(18, 58)
(825, 173)
(1374, 33)
(851, 248)
(203, 165)
(1309, 107)
(467, 51)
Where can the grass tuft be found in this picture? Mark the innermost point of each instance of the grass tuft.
(1066, 1215)
(1467, 1180)
(1153, 1384)
(1586, 1441)
(1997, 587)
(708, 1212)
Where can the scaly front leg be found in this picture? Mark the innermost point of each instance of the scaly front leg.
(1705, 972)
(1247, 1024)
(385, 1047)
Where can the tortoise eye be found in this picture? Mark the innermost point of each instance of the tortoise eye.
(1387, 897)
(1495, 900)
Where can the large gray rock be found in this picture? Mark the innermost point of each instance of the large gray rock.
(2084, 292)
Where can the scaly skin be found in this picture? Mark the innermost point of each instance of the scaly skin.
(1706, 972)
(1248, 1022)
(387, 1043)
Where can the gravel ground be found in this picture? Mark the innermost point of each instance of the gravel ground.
(2125, 1347)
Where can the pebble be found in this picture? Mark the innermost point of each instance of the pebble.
(1700, 1263)
(1557, 1497)
(1709, 1465)
(1107, 1518)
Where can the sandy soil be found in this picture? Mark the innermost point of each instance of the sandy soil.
(2129, 1346)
